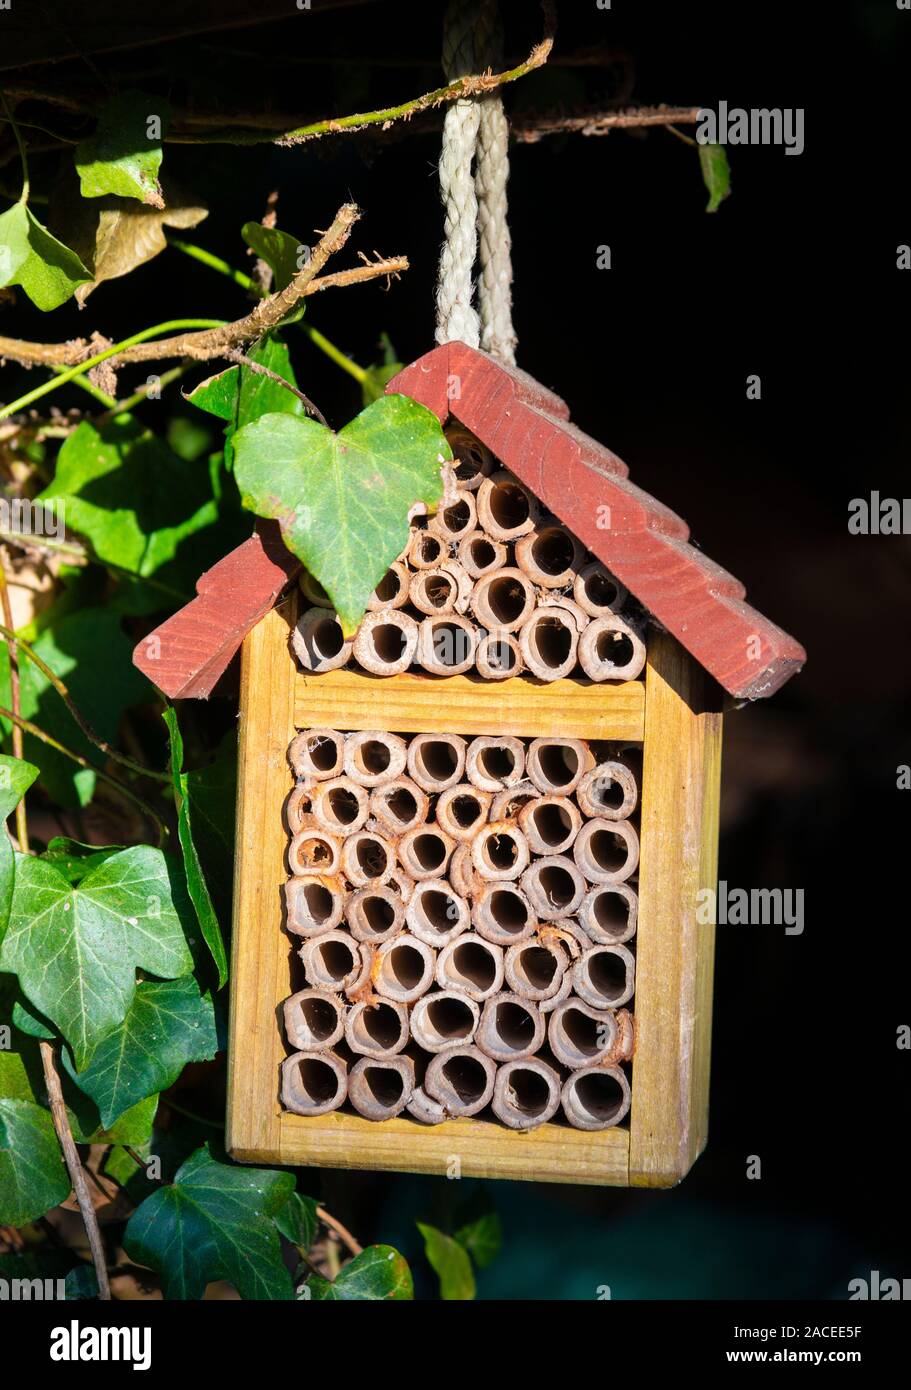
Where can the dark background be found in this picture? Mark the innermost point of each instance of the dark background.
(794, 279)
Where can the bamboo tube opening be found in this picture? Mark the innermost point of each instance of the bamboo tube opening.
(372, 758)
(555, 765)
(534, 971)
(439, 1021)
(493, 763)
(385, 643)
(579, 1034)
(610, 650)
(498, 656)
(473, 966)
(526, 1093)
(367, 859)
(549, 556)
(318, 753)
(392, 590)
(606, 851)
(462, 873)
(462, 810)
(312, 851)
(503, 914)
(424, 1108)
(380, 1088)
(434, 591)
(313, 1083)
(424, 852)
(399, 805)
(500, 851)
(330, 961)
(511, 1028)
(313, 591)
(405, 969)
(461, 1079)
(436, 761)
(318, 641)
(548, 642)
(555, 887)
(609, 790)
(550, 824)
(377, 1028)
(297, 807)
(472, 461)
(446, 645)
(506, 509)
(596, 1097)
(503, 601)
(340, 806)
(479, 555)
(426, 550)
(313, 904)
(604, 976)
(507, 804)
(597, 592)
(609, 912)
(456, 520)
(435, 913)
(374, 914)
(313, 1018)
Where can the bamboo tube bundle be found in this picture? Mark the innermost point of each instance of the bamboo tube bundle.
(465, 914)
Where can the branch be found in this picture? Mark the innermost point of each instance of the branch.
(15, 698)
(531, 128)
(235, 355)
(75, 1169)
(341, 1231)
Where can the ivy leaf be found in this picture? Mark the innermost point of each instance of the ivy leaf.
(374, 384)
(196, 881)
(211, 793)
(74, 859)
(716, 174)
(451, 1263)
(297, 1221)
(379, 1272)
(168, 1024)
(342, 500)
(479, 1229)
(214, 1222)
(76, 950)
(123, 157)
(16, 777)
(32, 1175)
(48, 271)
(240, 396)
(81, 1283)
(281, 251)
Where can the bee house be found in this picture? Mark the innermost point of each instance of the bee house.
(471, 840)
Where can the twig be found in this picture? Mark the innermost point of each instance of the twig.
(63, 692)
(75, 1168)
(529, 129)
(15, 696)
(235, 355)
(341, 1231)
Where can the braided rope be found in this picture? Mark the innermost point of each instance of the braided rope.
(456, 316)
(491, 176)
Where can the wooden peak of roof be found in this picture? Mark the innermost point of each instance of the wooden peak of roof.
(584, 484)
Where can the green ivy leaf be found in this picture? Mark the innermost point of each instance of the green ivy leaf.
(48, 271)
(74, 859)
(451, 1263)
(81, 1283)
(32, 1175)
(479, 1229)
(381, 373)
(342, 500)
(211, 793)
(281, 251)
(297, 1220)
(196, 881)
(168, 1024)
(239, 396)
(716, 174)
(379, 1272)
(214, 1222)
(76, 950)
(16, 777)
(122, 157)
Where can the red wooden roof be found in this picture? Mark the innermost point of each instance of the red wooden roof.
(528, 429)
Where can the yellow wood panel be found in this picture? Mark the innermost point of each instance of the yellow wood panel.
(674, 952)
(435, 704)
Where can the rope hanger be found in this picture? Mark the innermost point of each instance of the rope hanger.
(474, 170)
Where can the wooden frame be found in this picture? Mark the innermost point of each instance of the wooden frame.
(676, 715)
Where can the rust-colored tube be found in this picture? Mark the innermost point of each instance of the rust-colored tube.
(534, 969)
(554, 886)
(495, 762)
(424, 852)
(436, 761)
(313, 1083)
(462, 810)
(556, 765)
(471, 965)
(550, 824)
(580, 1035)
(386, 642)
(550, 556)
(526, 1093)
(436, 913)
(500, 851)
(368, 861)
(313, 904)
(404, 968)
(375, 914)
(317, 754)
(549, 643)
(444, 1019)
(605, 976)
(596, 1097)
(461, 1079)
(480, 555)
(609, 790)
(611, 650)
(374, 757)
(503, 601)
(379, 1088)
(502, 914)
(318, 641)
(392, 590)
(506, 508)
(331, 960)
(313, 1018)
(340, 806)
(498, 656)
(607, 851)
(314, 851)
(609, 913)
(597, 592)
(377, 1028)
(447, 645)
(510, 1029)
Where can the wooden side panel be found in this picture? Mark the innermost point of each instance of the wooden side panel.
(674, 952)
(435, 704)
(259, 963)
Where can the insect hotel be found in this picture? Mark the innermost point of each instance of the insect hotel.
(470, 840)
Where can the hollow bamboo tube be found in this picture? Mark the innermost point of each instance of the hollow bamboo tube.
(596, 1097)
(392, 590)
(314, 1018)
(556, 765)
(500, 851)
(386, 642)
(463, 875)
(317, 754)
(506, 508)
(473, 966)
(447, 645)
(526, 1093)
(498, 656)
(611, 650)
(534, 969)
(550, 556)
(507, 804)
(297, 808)
(313, 1083)
(502, 914)
(374, 914)
(427, 550)
(597, 592)
(554, 886)
(457, 518)
(493, 763)
(313, 904)
(436, 913)
(608, 790)
(472, 460)
(565, 990)
(313, 591)
(580, 1035)
(318, 641)
(503, 601)
(609, 913)
(402, 884)
(549, 643)
(607, 851)
(443, 1019)
(436, 761)
(462, 810)
(404, 968)
(433, 591)
(340, 806)
(480, 555)
(374, 757)
(461, 1079)
(314, 851)
(377, 1028)
(368, 860)
(425, 851)
(463, 582)
(422, 1108)
(510, 1028)
(605, 976)
(399, 805)
(379, 1088)
(331, 960)
(568, 605)
(550, 824)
